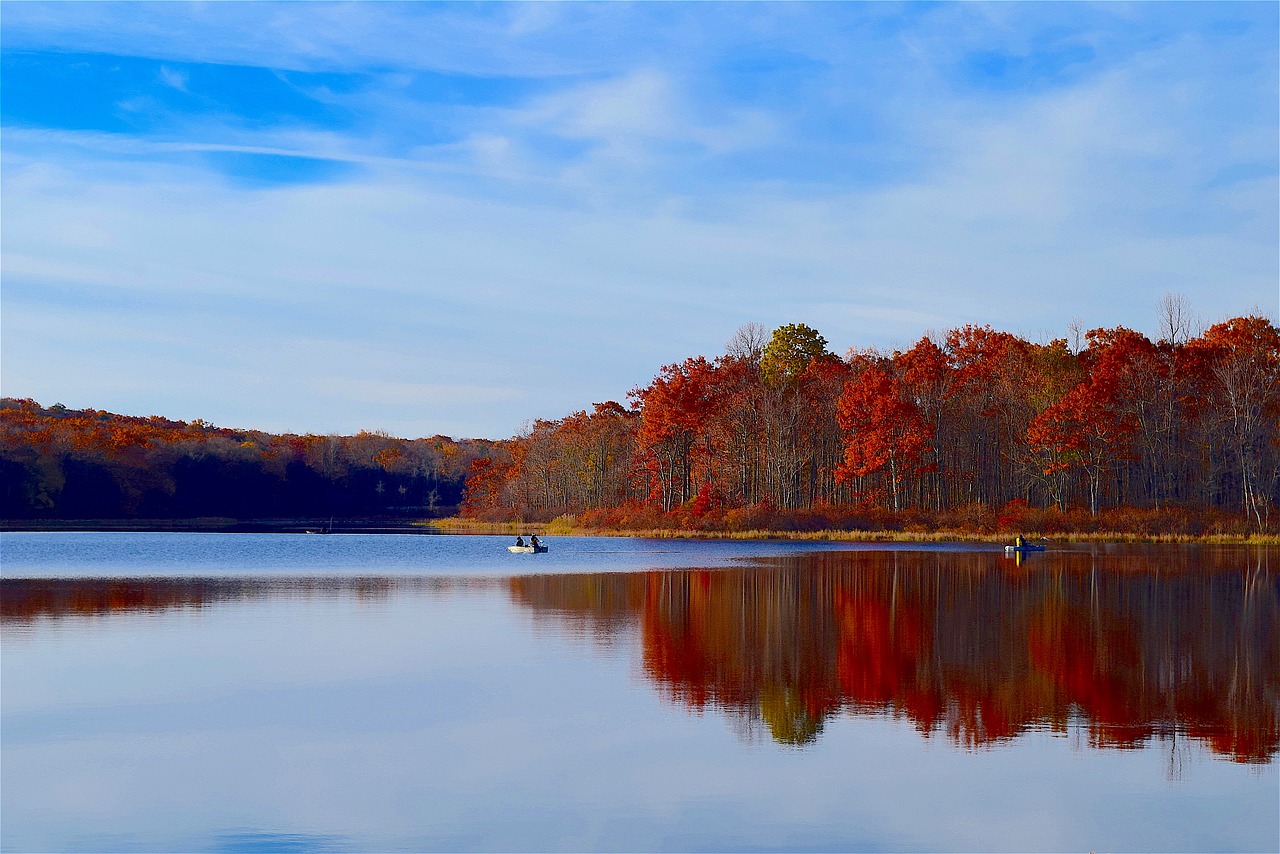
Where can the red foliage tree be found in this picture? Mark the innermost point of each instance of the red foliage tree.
(886, 432)
(673, 432)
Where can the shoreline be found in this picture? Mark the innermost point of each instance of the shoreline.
(219, 525)
(552, 529)
(557, 528)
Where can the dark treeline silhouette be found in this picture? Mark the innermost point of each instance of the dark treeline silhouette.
(1143, 648)
(59, 463)
(976, 428)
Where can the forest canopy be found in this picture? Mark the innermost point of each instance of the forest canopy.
(971, 428)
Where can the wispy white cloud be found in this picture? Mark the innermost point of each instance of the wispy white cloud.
(173, 79)
(851, 167)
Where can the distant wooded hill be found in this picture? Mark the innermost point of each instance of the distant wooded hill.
(60, 463)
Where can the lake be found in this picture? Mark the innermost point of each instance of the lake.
(246, 692)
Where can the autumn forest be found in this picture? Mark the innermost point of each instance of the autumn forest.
(974, 429)
(58, 463)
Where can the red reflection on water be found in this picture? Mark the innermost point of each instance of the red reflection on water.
(957, 645)
(26, 600)
(1143, 644)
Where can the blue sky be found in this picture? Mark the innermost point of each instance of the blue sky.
(452, 218)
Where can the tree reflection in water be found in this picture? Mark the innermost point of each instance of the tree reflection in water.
(1133, 644)
(1147, 644)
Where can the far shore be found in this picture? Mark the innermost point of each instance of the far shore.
(555, 528)
(221, 525)
(558, 528)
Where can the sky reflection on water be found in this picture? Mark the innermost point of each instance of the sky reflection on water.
(866, 700)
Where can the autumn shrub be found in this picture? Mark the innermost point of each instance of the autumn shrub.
(1011, 516)
(916, 521)
(853, 517)
(632, 515)
(752, 517)
(702, 504)
(711, 521)
(890, 520)
(859, 518)
(638, 515)
(561, 525)
(830, 517)
(792, 521)
(1221, 523)
(680, 519)
(491, 514)
(975, 518)
(1142, 520)
(1076, 518)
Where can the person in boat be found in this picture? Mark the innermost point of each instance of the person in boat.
(1019, 541)
(519, 540)
(533, 541)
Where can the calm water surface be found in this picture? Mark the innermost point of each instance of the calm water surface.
(240, 692)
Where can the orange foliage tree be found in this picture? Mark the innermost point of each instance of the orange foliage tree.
(887, 435)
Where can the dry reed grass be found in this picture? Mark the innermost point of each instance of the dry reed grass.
(564, 527)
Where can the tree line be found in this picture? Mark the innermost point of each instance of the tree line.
(60, 463)
(975, 426)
